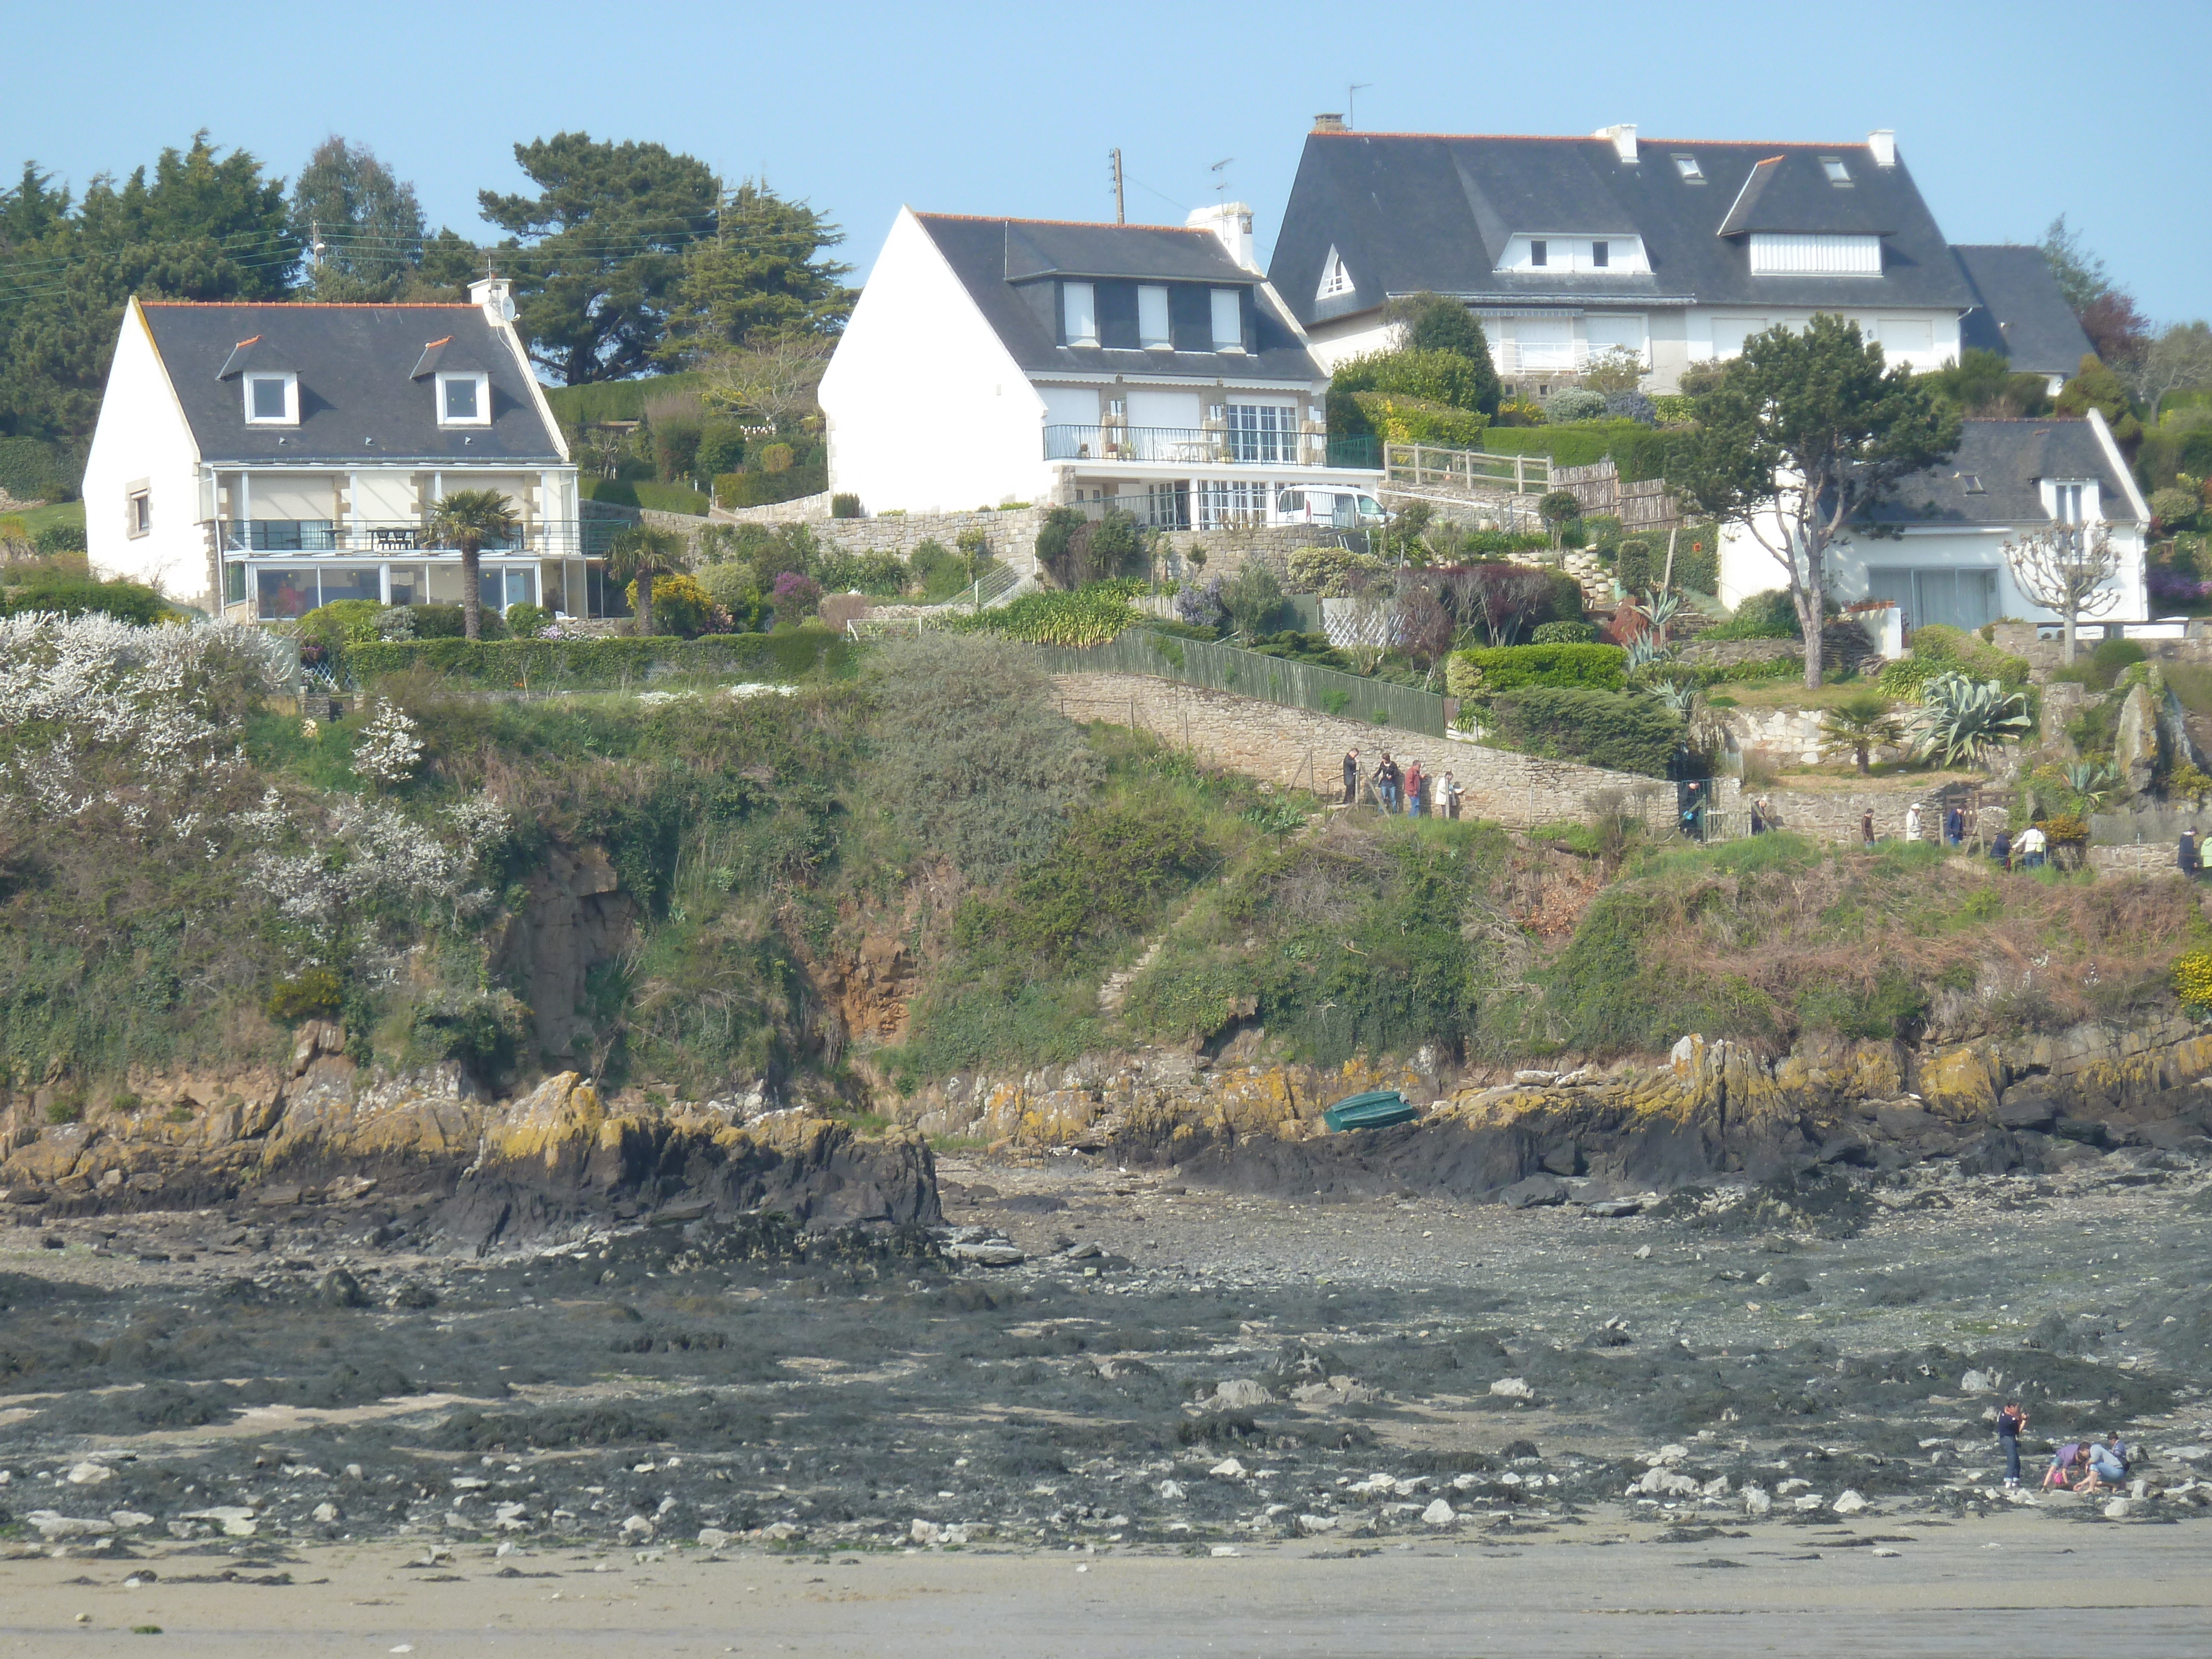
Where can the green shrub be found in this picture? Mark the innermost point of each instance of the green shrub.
(680, 605)
(1906, 676)
(1564, 633)
(1492, 671)
(721, 449)
(1573, 402)
(1977, 657)
(482, 1029)
(344, 622)
(73, 596)
(844, 505)
(311, 994)
(2113, 658)
(1631, 565)
(1672, 408)
(1626, 733)
(59, 538)
(1091, 615)
(1190, 1000)
(526, 621)
(1397, 419)
(1765, 615)
(606, 665)
(1698, 559)
(32, 470)
(439, 622)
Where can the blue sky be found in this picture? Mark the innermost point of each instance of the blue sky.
(2007, 113)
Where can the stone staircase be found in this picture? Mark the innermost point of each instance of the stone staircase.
(1596, 581)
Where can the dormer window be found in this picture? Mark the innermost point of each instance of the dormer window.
(1228, 320)
(1334, 279)
(272, 399)
(1153, 332)
(1539, 251)
(463, 399)
(1079, 314)
(1601, 255)
(1687, 166)
(2070, 502)
(1837, 172)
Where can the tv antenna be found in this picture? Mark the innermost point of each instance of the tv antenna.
(1121, 214)
(1351, 102)
(1221, 178)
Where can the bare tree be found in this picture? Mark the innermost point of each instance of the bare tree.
(775, 381)
(2179, 360)
(2064, 568)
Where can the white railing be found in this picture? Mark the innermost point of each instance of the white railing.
(1465, 472)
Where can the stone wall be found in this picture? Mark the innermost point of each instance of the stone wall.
(1011, 531)
(2044, 655)
(1302, 749)
(1726, 654)
(801, 509)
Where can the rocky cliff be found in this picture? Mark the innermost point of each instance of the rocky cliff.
(1709, 1109)
(489, 1170)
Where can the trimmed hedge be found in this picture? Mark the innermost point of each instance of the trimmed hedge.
(1397, 419)
(1597, 728)
(605, 664)
(1497, 669)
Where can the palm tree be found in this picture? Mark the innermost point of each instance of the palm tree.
(467, 519)
(639, 553)
(1862, 724)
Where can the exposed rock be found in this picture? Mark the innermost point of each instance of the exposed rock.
(1241, 1393)
(1512, 1388)
(2135, 740)
(1848, 1503)
(1756, 1501)
(89, 1474)
(1532, 1191)
(1227, 1469)
(1439, 1514)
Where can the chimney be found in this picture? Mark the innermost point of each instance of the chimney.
(1232, 223)
(1623, 139)
(490, 294)
(1329, 124)
(1881, 144)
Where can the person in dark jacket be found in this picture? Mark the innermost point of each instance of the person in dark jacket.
(2001, 850)
(1954, 825)
(1386, 783)
(2010, 1421)
(1865, 828)
(2191, 859)
(1350, 776)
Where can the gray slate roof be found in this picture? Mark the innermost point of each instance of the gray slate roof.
(1008, 267)
(1415, 211)
(359, 402)
(2019, 311)
(2007, 458)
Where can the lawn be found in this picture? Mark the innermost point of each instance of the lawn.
(38, 517)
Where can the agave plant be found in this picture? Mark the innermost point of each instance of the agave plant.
(1963, 719)
(1646, 649)
(1677, 696)
(1659, 611)
(2090, 779)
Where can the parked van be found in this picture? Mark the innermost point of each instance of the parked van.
(1340, 509)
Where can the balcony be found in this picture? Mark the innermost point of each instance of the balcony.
(1528, 359)
(557, 539)
(1205, 447)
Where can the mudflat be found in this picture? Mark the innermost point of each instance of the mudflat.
(2006, 1584)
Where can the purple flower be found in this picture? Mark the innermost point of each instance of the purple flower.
(793, 593)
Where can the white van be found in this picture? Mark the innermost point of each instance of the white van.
(1340, 509)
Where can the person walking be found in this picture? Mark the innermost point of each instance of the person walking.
(1865, 828)
(2032, 841)
(1351, 777)
(2001, 850)
(1954, 825)
(1447, 793)
(1912, 821)
(1414, 782)
(1762, 815)
(2191, 858)
(2010, 1421)
(1386, 784)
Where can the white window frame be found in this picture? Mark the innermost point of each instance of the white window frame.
(253, 378)
(1079, 313)
(1688, 167)
(1227, 305)
(1334, 279)
(138, 509)
(482, 384)
(1838, 171)
(1540, 252)
(1155, 327)
(1601, 255)
(2073, 501)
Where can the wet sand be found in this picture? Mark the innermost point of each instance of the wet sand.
(2012, 1584)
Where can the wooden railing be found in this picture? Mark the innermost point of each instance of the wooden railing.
(1465, 472)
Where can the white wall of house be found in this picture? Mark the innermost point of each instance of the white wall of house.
(1923, 339)
(143, 443)
(926, 409)
(1338, 342)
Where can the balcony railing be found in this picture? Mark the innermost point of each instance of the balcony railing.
(1186, 446)
(552, 538)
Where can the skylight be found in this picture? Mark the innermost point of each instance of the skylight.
(1688, 167)
(1834, 167)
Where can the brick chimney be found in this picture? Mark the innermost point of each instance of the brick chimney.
(1623, 139)
(1329, 124)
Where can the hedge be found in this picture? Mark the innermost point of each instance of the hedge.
(32, 470)
(1496, 669)
(603, 665)
(1400, 420)
(1597, 728)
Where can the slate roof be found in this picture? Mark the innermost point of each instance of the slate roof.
(1414, 211)
(1007, 266)
(359, 399)
(2019, 311)
(2007, 458)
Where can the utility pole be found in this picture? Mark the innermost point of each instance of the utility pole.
(315, 243)
(1121, 211)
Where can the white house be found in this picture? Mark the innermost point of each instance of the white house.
(1146, 366)
(1940, 555)
(268, 458)
(1675, 250)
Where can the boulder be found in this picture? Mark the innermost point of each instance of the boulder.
(1240, 1394)
(1532, 1191)
(1512, 1388)
(1439, 1514)
(1756, 1501)
(1848, 1503)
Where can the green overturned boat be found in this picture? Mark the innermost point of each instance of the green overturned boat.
(1371, 1110)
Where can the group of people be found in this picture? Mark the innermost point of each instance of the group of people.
(1396, 789)
(2030, 851)
(2081, 1466)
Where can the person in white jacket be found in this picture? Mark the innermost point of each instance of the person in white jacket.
(1912, 821)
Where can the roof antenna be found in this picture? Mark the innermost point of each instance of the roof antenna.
(1120, 214)
(1220, 178)
(1351, 102)
(315, 243)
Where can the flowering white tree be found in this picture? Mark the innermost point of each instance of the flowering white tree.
(2064, 568)
(388, 751)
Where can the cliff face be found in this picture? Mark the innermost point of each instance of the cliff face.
(322, 1130)
(1711, 1108)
